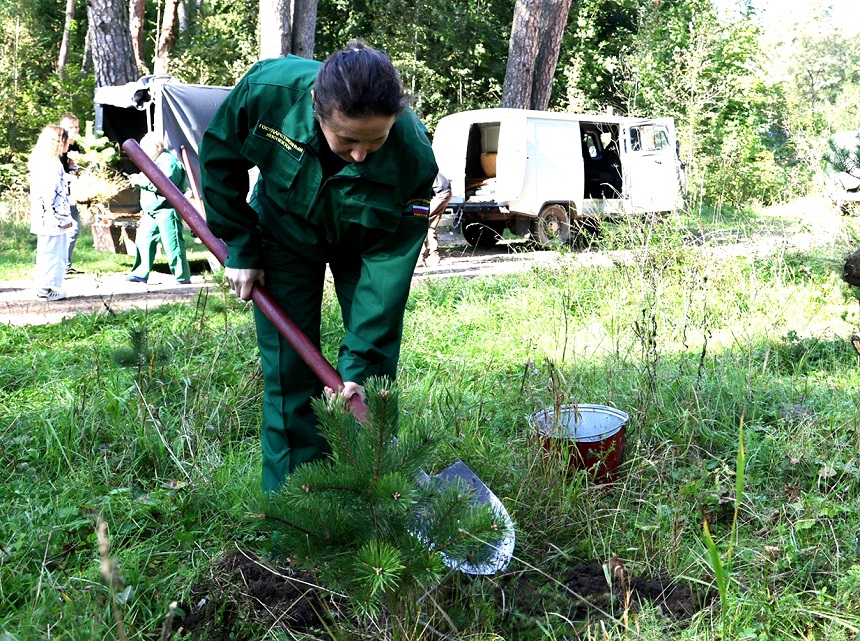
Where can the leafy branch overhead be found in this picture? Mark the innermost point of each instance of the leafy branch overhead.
(367, 519)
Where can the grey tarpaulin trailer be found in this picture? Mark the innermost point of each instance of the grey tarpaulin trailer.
(178, 111)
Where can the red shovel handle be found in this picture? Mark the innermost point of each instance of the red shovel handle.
(309, 352)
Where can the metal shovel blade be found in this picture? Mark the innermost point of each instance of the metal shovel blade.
(498, 560)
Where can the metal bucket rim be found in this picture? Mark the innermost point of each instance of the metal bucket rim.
(541, 418)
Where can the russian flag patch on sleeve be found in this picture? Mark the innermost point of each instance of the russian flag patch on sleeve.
(419, 207)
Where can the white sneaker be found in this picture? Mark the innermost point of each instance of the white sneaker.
(55, 294)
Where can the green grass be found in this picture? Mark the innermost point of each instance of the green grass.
(150, 420)
(18, 251)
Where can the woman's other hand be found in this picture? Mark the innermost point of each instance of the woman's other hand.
(348, 390)
(242, 281)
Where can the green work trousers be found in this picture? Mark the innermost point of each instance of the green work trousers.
(290, 435)
(163, 225)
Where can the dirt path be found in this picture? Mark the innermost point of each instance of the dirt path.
(88, 294)
(106, 294)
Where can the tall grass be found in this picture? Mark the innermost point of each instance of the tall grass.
(149, 420)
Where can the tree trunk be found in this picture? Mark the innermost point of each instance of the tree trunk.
(304, 27)
(275, 36)
(87, 63)
(64, 46)
(135, 26)
(113, 55)
(182, 16)
(553, 20)
(522, 54)
(167, 37)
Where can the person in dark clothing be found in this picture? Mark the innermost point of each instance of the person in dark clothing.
(610, 175)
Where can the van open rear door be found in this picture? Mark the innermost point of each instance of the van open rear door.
(554, 156)
(650, 165)
(511, 158)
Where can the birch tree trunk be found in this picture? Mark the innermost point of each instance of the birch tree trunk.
(522, 54)
(167, 37)
(275, 35)
(87, 63)
(137, 8)
(64, 45)
(113, 55)
(553, 20)
(182, 16)
(304, 27)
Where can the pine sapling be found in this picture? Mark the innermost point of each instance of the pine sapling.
(367, 519)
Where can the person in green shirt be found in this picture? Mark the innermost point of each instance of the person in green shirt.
(159, 221)
(345, 176)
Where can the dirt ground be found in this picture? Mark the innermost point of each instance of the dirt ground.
(109, 294)
(242, 588)
(89, 294)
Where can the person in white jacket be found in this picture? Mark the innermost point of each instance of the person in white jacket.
(50, 216)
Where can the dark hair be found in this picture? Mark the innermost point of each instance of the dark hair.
(358, 81)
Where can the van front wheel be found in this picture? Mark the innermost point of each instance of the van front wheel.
(552, 226)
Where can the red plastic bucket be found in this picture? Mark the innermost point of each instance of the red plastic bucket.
(596, 433)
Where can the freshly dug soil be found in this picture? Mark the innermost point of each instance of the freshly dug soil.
(589, 582)
(244, 589)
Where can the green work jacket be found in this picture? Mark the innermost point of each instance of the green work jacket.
(267, 121)
(376, 209)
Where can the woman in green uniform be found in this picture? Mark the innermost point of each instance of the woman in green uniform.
(159, 222)
(345, 176)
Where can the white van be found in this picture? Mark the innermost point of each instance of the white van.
(540, 173)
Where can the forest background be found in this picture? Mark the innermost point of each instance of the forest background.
(754, 98)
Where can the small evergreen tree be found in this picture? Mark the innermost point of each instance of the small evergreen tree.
(97, 181)
(843, 155)
(368, 520)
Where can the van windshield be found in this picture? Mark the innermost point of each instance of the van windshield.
(649, 138)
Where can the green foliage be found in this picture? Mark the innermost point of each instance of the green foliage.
(17, 244)
(598, 31)
(220, 44)
(841, 156)
(722, 569)
(31, 93)
(753, 105)
(450, 54)
(97, 151)
(366, 521)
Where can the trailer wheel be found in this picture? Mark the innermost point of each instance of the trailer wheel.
(584, 232)
(552, 226)
(482, 234)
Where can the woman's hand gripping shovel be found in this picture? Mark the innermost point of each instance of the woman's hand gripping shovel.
(328, 375)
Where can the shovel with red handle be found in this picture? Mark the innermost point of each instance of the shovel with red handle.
(328, 375)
